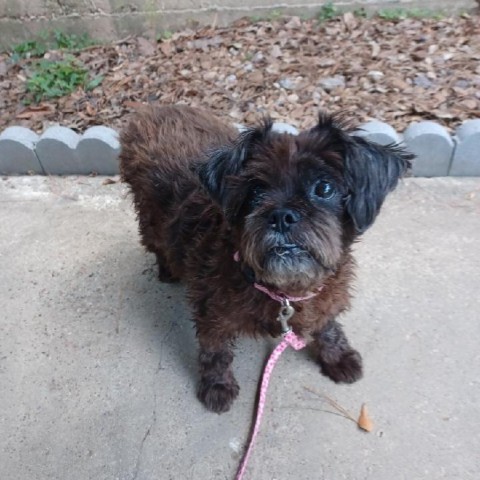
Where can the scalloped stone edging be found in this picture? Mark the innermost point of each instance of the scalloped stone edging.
(61, 151)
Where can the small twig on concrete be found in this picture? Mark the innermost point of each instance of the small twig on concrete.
(333, 403)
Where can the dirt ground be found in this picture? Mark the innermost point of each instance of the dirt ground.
(395, 71)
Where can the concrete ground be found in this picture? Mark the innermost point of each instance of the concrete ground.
(97, 358)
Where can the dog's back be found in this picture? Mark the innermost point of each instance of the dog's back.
(163, 141)
(158, 148)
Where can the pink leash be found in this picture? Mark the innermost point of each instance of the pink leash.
(289, 339)
(297, 343)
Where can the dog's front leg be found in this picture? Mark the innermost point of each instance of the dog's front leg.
(337, 359)
(218, 388)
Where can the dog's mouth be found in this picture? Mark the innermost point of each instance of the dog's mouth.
(289, 267)
(288, 249)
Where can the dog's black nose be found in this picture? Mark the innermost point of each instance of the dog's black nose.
(282, 219)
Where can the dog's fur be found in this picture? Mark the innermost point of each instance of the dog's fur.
(291, 206)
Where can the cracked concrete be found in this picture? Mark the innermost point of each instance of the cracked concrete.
(147, 433)
(98, 360)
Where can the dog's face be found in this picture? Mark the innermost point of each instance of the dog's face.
(295, 203)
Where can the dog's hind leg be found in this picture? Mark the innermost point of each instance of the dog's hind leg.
(337, 359)
(218, 388)
(164, 273)
(149, 237)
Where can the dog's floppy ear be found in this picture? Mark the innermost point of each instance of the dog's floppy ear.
(371, 172)
(228, 161)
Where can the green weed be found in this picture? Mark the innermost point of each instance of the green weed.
(70, 41)
(56, 40)
(396, 14)
(165, 35)
(327, 12)
(31, 48)
(269, 17)
(56, 79)
(274, 15)
(360, 12)
(256, 18)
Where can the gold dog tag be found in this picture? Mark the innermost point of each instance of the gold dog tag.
(284, 315)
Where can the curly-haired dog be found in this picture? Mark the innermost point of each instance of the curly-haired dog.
(241, 218)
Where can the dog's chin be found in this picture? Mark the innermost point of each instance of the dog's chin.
(290, 269)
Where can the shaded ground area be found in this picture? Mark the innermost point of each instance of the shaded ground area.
(97, 359)
(396, 71)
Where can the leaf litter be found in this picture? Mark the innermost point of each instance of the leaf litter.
(395, 71)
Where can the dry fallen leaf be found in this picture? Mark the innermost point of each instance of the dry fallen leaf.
(276, 51)
(193, 66)
(349, 20)
(167, 48)
(145, 47)
(256, 77)
(33, 111)
(364, 421)
(3, 68)
(108, 181)
(375, 49)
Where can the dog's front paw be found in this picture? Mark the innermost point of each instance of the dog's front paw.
(348, 369)
(218, 396)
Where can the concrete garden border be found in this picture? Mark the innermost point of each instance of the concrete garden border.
(61, 151)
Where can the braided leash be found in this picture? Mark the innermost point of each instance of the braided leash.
(289, 339)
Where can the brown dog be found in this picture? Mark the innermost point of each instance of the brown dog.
(240, 217)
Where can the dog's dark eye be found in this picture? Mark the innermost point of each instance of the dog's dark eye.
(257, 193)
(324, 190)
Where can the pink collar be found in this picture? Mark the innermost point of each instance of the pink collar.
(279, 296)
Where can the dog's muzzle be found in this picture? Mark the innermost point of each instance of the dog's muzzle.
(287, 249)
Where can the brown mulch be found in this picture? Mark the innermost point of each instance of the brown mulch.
(397, 72)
